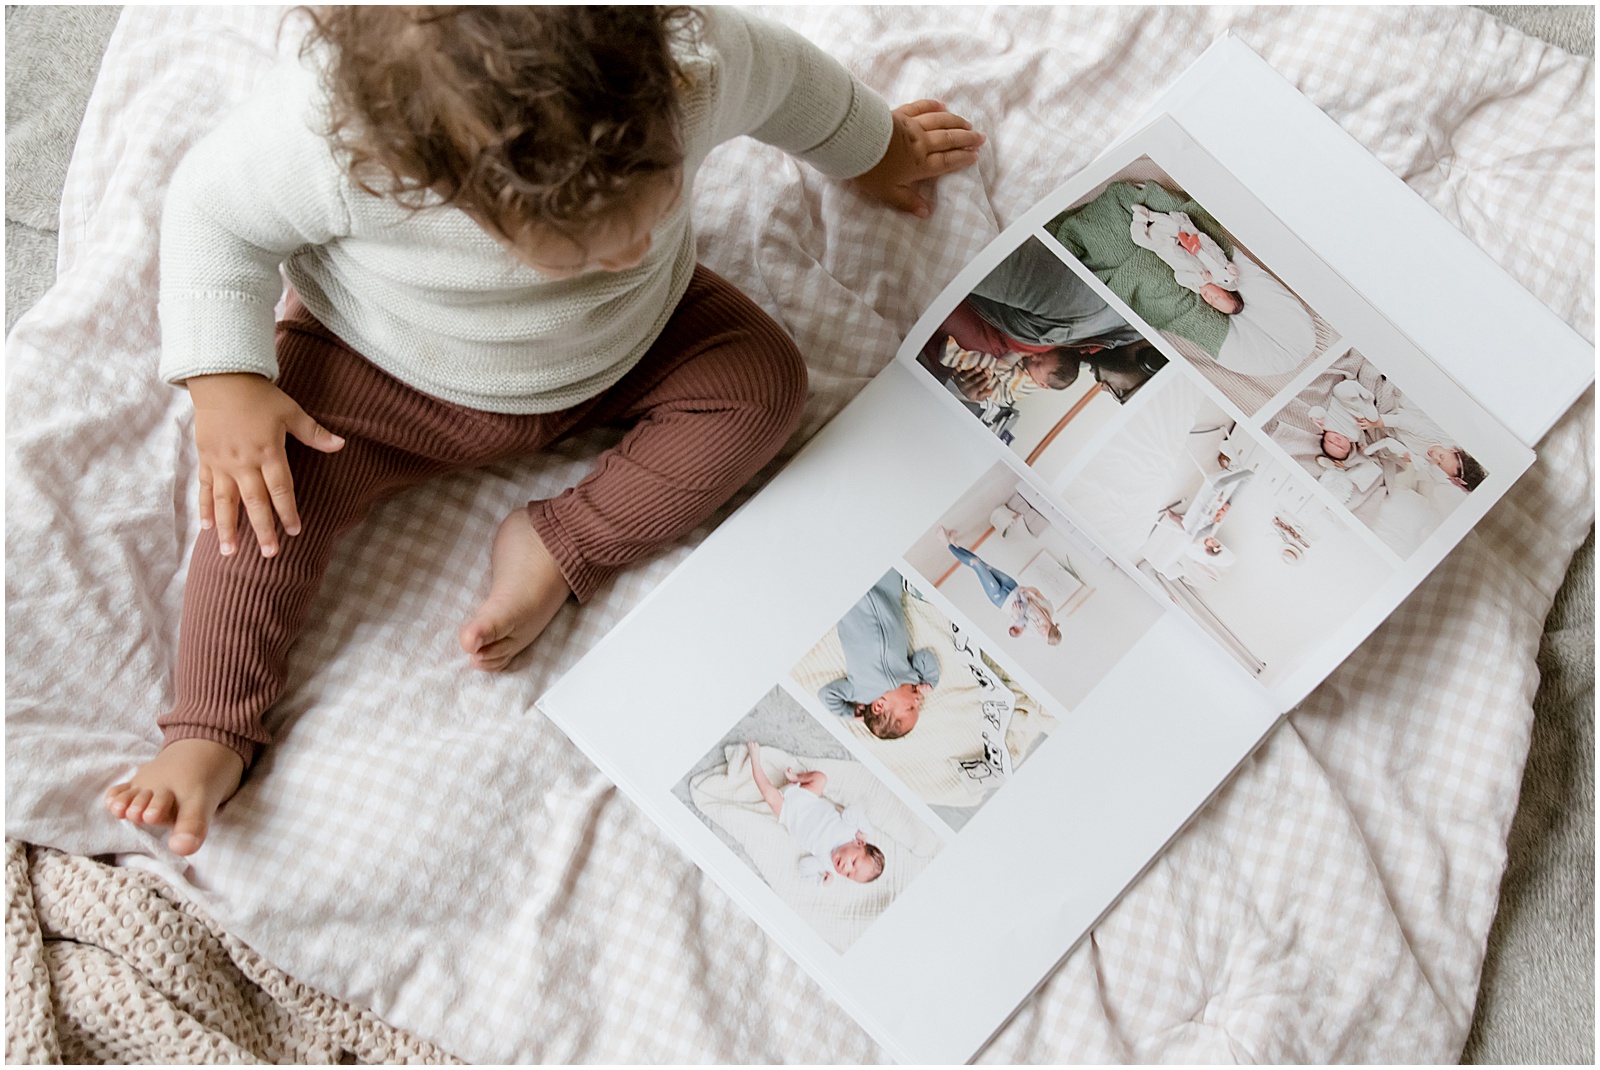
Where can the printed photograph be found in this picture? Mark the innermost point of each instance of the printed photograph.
(826, 835)
(1034, 587)
(1379, 455)
(1186, 275)
(1236, 538)
(1038, 357)
(923, 697)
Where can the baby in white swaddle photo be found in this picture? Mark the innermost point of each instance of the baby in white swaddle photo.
(835, 840)
(1346, 468)
(1197, 261)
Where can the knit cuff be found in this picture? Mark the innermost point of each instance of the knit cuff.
(215, 333)
(244, 748)
(583, 577)
(860, 140)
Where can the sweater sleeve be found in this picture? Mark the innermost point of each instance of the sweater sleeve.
(259, 186)
(780, 88)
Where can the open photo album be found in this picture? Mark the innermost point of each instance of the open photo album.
(1139, 479)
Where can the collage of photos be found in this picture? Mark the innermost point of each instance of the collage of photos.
(1236, 537)
(1268, 532)
(1376, 452)
(923, 697)
(826, 835)
(1038, 357)
(1192, 280)
(1039, 591)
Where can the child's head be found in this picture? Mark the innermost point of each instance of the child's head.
(893, 713)
(555, 128)
(1459, 465)
(1227, 302)
(1336, 446)
(1212, 546)
(1054, 369)
(858, 860)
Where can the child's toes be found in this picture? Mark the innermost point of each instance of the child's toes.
(134, 804)
(117, 797)
(496, 655)
(189, 828)
(162, 809)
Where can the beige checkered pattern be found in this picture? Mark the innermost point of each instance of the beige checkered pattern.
(422, 843)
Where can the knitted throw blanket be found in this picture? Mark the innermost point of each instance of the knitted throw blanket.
(108, 965)
(1097, 234)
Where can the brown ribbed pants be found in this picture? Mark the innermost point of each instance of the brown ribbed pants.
(712, 401)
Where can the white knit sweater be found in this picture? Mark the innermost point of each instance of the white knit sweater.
(430, 297)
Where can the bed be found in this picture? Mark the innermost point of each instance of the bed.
(538, 916)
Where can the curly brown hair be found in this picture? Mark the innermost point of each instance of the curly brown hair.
(552, 116)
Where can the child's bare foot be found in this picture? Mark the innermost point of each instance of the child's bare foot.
(182, 787)
(525, 591)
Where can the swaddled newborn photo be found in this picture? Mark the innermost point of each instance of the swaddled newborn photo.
(815, 824)
(1192, 281)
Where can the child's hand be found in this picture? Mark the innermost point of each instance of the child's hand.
(813, 780)
(927, 142)
(239, 425)
(975, 384)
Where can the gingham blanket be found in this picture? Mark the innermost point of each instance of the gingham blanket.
(422, 844)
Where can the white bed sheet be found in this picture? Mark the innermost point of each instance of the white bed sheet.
(422, 843)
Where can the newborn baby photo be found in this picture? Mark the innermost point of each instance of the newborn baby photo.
(1236, 537)
(1376, 452)
(920, 694)
(825, 834)
(1186, 275)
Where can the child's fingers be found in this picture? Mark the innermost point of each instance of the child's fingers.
(944, 163)
(943, 140)
(225, 503)
(207, 508)
(313, 434)
(942, 120)
(258, 507)
(280, 488)
(919, 107)
(906, 199)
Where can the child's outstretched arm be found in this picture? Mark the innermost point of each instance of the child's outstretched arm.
(773, 797)
(927, 142)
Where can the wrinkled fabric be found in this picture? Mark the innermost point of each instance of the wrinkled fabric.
(421, 843)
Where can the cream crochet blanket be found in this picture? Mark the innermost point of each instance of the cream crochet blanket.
(107, 965)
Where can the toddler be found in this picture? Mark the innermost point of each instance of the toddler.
(484, 216)
(837, 841)
(1197, 261)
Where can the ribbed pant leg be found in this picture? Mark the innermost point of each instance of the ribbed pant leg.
(714, 400)
(242, 613)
